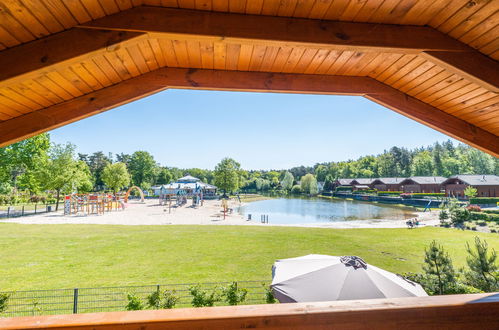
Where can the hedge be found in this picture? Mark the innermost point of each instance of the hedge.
(366, 191)
(494, 217)
(390, 192)
(484, 216)
(491, 211)
(484, 200)
(479, 216)
(343, 188)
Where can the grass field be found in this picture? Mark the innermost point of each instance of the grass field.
(67, 256)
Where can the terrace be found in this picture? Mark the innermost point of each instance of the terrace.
(435, 62)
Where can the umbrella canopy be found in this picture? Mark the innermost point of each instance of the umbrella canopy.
(323, 278)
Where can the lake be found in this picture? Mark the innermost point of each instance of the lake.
(317, 210)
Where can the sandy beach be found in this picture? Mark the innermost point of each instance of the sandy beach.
(151, 213)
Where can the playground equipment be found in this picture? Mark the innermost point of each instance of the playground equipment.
(136, 188)
(92, 203)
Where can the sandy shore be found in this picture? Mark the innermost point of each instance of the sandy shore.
(151, 213)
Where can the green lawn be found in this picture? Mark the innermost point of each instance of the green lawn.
(67, 256)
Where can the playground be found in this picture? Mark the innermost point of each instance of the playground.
(136, 212)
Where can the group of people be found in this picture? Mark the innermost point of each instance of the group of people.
(411, 223)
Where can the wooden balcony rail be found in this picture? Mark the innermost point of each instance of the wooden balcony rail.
(473, 311)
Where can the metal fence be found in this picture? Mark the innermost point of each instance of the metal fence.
(14, 211)
(107, 299)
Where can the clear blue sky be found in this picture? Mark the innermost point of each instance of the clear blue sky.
(187, 128)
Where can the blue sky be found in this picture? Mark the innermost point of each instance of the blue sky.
(187, 128)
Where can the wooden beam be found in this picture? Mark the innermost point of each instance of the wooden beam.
(278, 31)
(30, 59)
(471, 311)
(61, 114)
(46, 119)
(474, 66)
(435, 118)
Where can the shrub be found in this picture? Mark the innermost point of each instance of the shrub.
(491, 211)
(234, 295)
(494, 217)
(443, 215)
(428, 194)
(201, 298)
(478, 216)
(4, 299)
(134, 302)
(459, 215)
(296, 189)
(474, 208)
(484, 200)
(269, 296)
(366, 191)
(166, 299)
(481, 223)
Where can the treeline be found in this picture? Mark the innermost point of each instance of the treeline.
(36, 165)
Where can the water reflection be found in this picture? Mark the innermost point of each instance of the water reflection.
(301, 210)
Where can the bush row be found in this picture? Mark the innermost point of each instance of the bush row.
(484, 216)
(484, 200)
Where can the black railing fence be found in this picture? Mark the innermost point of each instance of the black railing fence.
(14, 211)
(107, 299)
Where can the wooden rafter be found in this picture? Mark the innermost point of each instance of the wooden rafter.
(64, 113)
(280, 31)
(296, 32)
(23, 62)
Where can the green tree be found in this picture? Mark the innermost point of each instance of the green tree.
(115, 176)
(422, 164)
(470, 192)
(62, 173)
(97, 162)
(164, 176)
(438, 270)
(227, 175)
(308, 184)
(142, 168)
(386, 165)
(19, 162)
(483, 271)
(321, 172)
(287, 181)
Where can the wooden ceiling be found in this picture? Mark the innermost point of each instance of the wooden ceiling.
(433, 61)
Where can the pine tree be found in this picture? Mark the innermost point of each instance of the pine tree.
(483, 270)
(439, 272)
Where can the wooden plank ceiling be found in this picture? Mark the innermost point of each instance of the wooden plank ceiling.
(442, 55)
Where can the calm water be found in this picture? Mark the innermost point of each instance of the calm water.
(315, 210)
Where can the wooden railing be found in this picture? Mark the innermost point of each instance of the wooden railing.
(476, 311)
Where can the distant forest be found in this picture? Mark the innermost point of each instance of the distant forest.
(36, 165)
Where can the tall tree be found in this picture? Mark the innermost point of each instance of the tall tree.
(422, 164)
(164, 176)
(97, 162)
(143, 169)
(116, 176)
(227, 175)
(287, 181)
(20, 162)
(308, 184)
(62, 173)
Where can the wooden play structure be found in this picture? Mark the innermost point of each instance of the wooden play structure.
(136, 188)
(86, 204)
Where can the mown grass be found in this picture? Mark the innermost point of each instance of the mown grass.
(67, 256)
